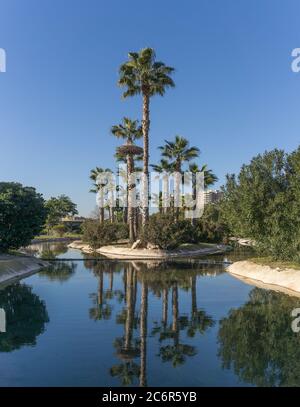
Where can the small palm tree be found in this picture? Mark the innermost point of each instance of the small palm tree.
(178, 152)
(98, 187)
(209, 179)
(164, 167)
(142, 74)
(130, 131)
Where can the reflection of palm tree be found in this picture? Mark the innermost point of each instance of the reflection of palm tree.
(101, 309)
(26, 317)
(126, 372)
(199, 319)
(165, 307)
(127, 348)
(143, 333)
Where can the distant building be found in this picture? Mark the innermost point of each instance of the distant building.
(212, 196)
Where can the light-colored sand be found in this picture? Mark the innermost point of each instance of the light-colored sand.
(17, 267)
(284, 280)
(120, 252)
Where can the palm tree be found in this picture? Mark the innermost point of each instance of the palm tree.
(130, 131)
(98, 187)
(142, 74)
(164, 167)
(178, 152)
(209, 179)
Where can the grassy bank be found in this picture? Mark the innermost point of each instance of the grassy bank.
(276, 264)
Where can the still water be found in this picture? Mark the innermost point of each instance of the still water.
(107, 323)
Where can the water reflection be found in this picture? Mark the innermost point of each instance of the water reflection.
(26, 316)
(257, 341)
(145, 323)
(59, 271)
(165, 280)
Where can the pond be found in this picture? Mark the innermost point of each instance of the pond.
(95, 322)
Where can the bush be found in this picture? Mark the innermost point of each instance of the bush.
(211, 228)
(22, 215)
(60, 230)
(98, 234)
(163, 231)
(263, 203)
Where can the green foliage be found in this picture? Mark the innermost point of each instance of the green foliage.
(22, 215)
(98, 234)
(60, 229)
(263, 203)
(163, 231)
(143, 74)
(59, 208)
(211, 226)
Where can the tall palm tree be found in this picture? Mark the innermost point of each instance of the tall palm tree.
(178, 152)
(98, 187)
(142, 74)
(130, 131)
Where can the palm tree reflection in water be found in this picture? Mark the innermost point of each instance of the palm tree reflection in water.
(162, 281)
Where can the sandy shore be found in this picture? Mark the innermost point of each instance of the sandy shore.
(18, 267)
(283, 280)
(119, 252)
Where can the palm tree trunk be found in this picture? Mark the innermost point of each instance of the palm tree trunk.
(145, 129)
(143, 333)
(131, 209)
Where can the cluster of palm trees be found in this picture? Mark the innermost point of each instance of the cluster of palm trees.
(143, 75)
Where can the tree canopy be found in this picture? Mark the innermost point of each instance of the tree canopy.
(22, 215)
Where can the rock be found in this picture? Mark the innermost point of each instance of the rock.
(151, 246)
(136, 244)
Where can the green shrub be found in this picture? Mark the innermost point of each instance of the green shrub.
(211, 228)
(263, 203)
(163, 231)
(98, 234)
(60, 230)
(22, 215)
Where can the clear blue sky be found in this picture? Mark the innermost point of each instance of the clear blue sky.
(235, 93)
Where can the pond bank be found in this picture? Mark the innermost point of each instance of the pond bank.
(119, 252)
(18, 267)
(286, 280)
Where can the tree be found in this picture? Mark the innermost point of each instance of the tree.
(59, 208)
(142, 74)
(178, 152)
(98, 187)
(130, 131)
(263, 203)
(22, 215)
(209, 179)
